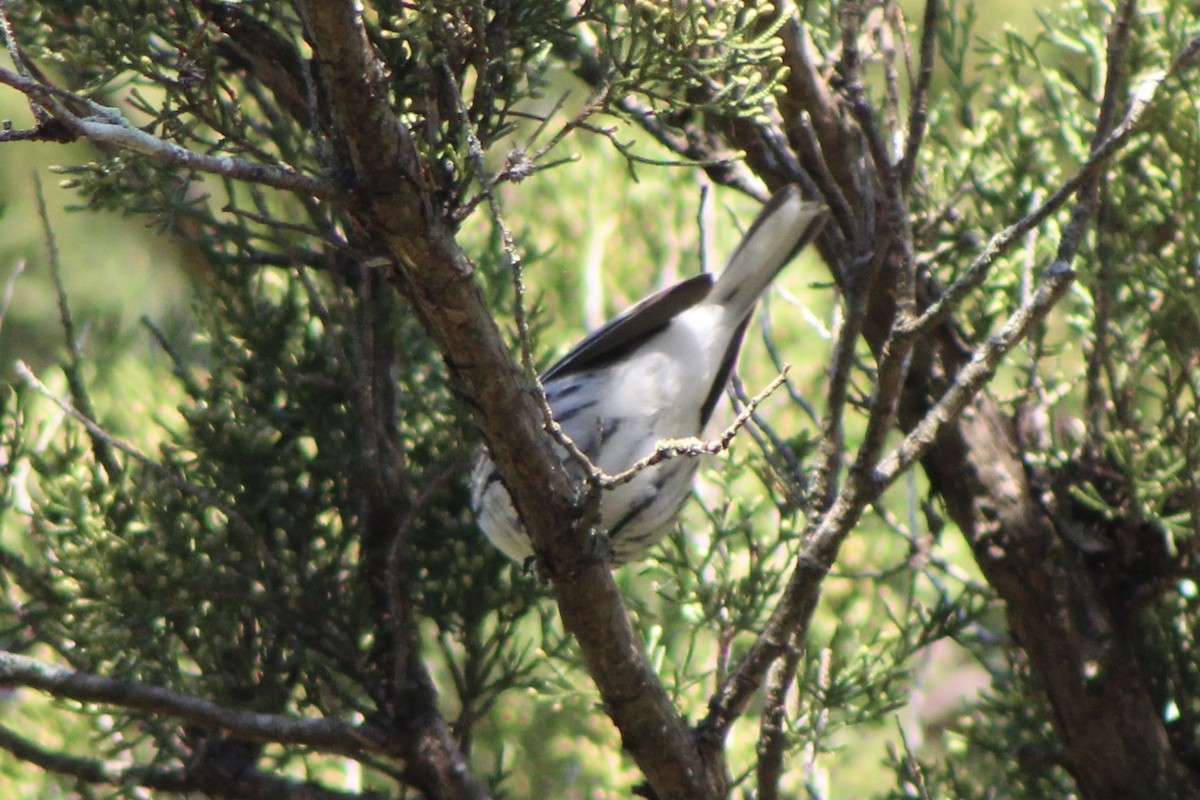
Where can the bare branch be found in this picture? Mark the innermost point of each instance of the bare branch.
(249, 784)
(823, 138)
(827, 467)
(975, 374)
(860, 106)
(106, 125)
(329, 735)
(772, 728)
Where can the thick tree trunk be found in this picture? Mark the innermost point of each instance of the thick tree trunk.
(1114, 739)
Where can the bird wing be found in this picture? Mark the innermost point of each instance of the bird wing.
(617, 337)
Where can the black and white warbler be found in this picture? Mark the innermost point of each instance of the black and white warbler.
(653, 373)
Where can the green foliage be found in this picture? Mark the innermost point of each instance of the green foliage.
(651, 48)
(224, 551)
(231, 568)
(1130, 328)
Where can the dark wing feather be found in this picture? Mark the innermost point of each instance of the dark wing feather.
(722, 376)
(624, 332)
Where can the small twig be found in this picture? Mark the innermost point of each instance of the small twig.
(515, 262)
(848, 222)
(726, 170)
(1114, 83)
(18, 59)
(91, 770)
(178, 364)
(885, 46)
(780, 456)
(830, 456)
(913, 768)
(772, 348)
(598, 98)
(78, 389)
(692, 446)
(591, 472)
(863, 111)
(271, 221)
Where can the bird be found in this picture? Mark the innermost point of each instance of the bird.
(652, 373)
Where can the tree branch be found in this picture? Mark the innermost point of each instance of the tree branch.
(250, 784)
(918, 103)
(975, 374)
(867, 479)
(396, 196)
(1113, 736)
(328, 735)
(107, 126)
(772, 728)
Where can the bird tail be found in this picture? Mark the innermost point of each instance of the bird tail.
(786, 224)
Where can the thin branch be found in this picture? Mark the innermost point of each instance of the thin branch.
(1114, 82)
(830, 188)
(830, 457)
(885, 48)
(816, 125)
(779, 455)
(79, 392)
(515, 262)
(918, 103)
(18, 59)
(772, 349)
(106, 125)
(90, 770)
(691, 446)
(850, 19)
(590, 503)
(327, 735)
(249, 784)
(772, 730)
(692, 143)
(975, 374)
